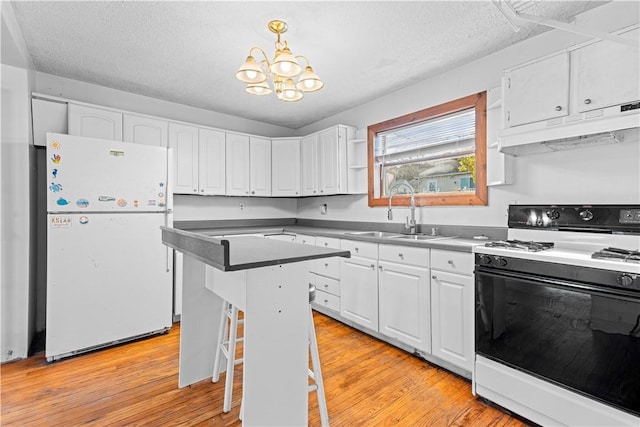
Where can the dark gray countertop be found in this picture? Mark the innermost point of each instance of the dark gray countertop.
(242, 252)
(451, 243)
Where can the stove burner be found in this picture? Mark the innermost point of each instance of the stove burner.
(520, 245)
(617, 254)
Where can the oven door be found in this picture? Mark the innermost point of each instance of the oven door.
(572, 334)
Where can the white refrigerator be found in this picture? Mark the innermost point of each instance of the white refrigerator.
(109, 277)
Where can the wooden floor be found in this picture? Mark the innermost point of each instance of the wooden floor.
(368, 383)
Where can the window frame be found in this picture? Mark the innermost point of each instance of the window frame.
(477, 101)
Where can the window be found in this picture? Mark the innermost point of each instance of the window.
(440, 152)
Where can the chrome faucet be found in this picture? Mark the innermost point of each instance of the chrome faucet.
(410, 224)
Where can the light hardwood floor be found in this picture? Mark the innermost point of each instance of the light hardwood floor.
(368, 383)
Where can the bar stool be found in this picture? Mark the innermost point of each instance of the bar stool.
(227, 340)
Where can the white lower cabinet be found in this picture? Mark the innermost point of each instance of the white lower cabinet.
(404, 301)
(359, 291)
(452, 307)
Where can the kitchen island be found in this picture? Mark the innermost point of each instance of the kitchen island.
(267, 280)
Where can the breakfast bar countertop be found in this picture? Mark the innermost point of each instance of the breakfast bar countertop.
(243, 252)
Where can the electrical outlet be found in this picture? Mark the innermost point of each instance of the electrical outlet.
(241, 206)
(323, 209)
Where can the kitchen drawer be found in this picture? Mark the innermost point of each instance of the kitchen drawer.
(305, 239)
(328, 242)
(327, 300)
(404, 255)
(452, 261)
(326, 284)
(360, 249)
(329, 267)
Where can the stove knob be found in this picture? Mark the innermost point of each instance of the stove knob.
(500, 261)
(553, 214)
(485, 260)
(625, 280)
(586, 215)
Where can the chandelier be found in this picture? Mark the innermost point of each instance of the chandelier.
(281, 71)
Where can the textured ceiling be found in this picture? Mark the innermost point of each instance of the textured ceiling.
(189, 52)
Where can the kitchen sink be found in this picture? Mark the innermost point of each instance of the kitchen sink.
(379, 234)
(420, 237)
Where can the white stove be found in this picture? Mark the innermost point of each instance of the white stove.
(557, 330)
(570, 248)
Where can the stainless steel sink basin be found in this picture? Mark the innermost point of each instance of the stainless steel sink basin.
(379, 234)
(421, 237)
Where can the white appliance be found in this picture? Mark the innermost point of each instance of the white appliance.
(109, 277)
(558, 315)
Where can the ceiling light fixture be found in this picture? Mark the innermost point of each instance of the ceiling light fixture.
(281, 70)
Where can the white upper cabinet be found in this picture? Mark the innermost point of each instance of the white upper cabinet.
(145, 130)
(285, 167)
(48, 116)
(537, 91)
(211, 162)
(332, 165)
(95, 122)
(238, 170)
(309, 165)
(324, 162)
(260, 166)
(183, 140)
(607, 74)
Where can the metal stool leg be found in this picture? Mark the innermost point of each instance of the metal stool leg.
(316, 374)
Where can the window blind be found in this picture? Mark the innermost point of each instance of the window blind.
(452, 135)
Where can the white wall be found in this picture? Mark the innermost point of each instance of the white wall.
(607, 174)
(17, 274)
(189, 208)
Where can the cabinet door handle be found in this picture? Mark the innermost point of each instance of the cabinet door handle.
(356, 249)
(373, 267)
(587, 101)
(326, 264)
(558, 108)
(401, 256)
(434, 277)
(326, 285)
(450, 262)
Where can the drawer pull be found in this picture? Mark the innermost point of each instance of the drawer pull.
(434, 277)
(356, 249)
(326, 285)
(450, 262)
(401, 256)
(587, 101)
(326, 264)
(326, 301)
(558, 108)
(373, 267)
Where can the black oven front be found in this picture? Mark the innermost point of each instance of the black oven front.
(576, 327)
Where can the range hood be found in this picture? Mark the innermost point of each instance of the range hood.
(610, 125)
